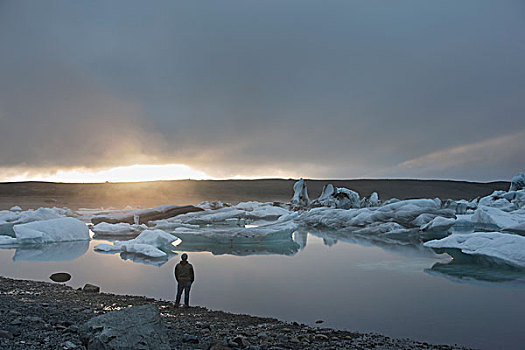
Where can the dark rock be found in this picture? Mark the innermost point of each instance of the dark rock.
(60, 277)
(241, 341)
(137, 327)
(91, 288)
(6, 334)
(187, 338)
(218, 346)
(319, 321)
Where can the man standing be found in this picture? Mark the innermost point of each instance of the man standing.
(185, 277)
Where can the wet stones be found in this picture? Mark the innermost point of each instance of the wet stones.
(60, 277)
(137, 327)
(91, 288)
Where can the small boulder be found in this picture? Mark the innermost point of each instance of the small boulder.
(6, 334)
(60, 277)
(91, 288)
(137, 327)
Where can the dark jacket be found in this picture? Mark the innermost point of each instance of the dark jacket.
(184, 272)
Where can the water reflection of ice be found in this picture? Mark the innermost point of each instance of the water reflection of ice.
(64, 251)
(479, 275)
(279, 247)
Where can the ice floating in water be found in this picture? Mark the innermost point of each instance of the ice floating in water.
(493, 247)
(7, 240)
(10, 218)
(62, 251)
(340, 198)
(148, 243)
(50, 231)
(518, 182)
(120, 229)
(274, 232)
(497, 218)
(300, 197)
(439, 223)
(143, 216)
(16, 208)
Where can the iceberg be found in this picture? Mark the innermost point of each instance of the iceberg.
(489, 248)
(7, 240)
(518, 182)
(439, 223)
(149, 243)
(120, 229)
(50, 231)
(300, 197)
(340, 198)
(274, 232)
(496, 218)
(143, 216)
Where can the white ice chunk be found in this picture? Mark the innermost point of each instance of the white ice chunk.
(439, 223)
(508, 248)
(120, 229)
(497, 217)
(48, 231)
(518, 182)
(339, 198)
(147, 244)
(16, 208)
(7, 240)
(300, 197)
(274, 232)
(143, 249)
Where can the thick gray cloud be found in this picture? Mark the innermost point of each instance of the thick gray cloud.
(318, 88)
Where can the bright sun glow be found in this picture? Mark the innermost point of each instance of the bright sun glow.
(132, 173)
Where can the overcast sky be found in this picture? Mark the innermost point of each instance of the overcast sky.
(322, 89)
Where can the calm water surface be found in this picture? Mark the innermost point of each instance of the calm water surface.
(351, 285)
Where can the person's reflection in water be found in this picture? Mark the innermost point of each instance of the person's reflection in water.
(185, 276)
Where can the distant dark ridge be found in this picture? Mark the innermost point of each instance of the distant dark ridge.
(147, 194)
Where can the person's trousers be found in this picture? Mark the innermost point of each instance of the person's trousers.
(183, 286)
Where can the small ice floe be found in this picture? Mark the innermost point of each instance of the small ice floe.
(16, 208)
(438, 223)
(120, 229)
(7, 240)
(9, 218)
(487, 247)
(149, 243)
(50, 231)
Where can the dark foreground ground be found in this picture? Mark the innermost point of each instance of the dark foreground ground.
(150, 194)
(39, 315)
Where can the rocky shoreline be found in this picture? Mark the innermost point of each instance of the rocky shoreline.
(41, 315)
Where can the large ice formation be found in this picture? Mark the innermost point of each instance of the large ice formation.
(149, 243)
(300, 196)
(494, 247)
(50, 231)
(143, 216)
(517, 183)
(340, 198)
(274, 232)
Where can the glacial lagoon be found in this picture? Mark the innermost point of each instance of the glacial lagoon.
(349, 283)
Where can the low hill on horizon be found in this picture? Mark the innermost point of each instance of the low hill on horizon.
(148, 194)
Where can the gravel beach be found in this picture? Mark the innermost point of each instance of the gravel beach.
(41, 315)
